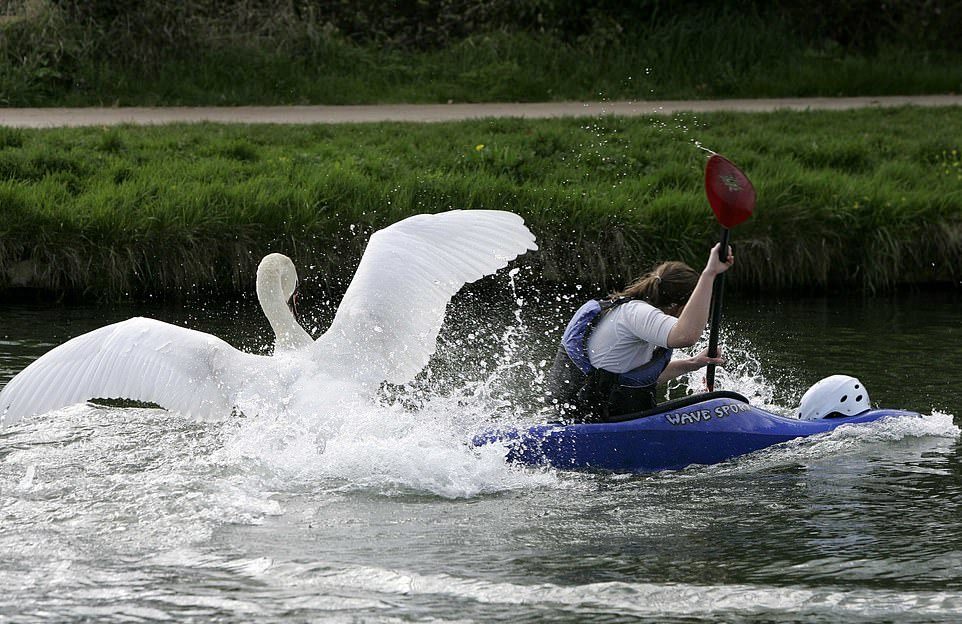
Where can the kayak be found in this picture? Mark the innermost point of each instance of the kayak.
(700, 429)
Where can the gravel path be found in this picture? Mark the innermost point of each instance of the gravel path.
(50, 117)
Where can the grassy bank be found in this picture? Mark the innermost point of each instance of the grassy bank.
(864, 199)
(48, 60)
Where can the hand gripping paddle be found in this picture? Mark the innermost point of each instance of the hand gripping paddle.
(732, 199)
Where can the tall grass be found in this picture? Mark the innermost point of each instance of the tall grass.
(863, 200)
(49, 60)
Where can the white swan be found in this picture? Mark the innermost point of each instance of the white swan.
(172, 361)
(276, 284)
(385, 329)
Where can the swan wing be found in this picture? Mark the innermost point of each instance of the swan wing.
(387, 325)
(140, 359)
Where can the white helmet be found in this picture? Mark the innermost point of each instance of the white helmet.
(838, 395)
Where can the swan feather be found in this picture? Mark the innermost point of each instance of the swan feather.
(139, 359)
(387, 324)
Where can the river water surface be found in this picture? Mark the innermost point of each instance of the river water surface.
(386, 515)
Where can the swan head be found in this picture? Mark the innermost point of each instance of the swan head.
(276, 284)
(276, 270)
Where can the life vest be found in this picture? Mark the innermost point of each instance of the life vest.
(575, 384)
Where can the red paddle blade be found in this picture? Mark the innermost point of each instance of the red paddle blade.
(730, 193)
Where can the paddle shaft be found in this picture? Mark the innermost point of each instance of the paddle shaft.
(718, 291)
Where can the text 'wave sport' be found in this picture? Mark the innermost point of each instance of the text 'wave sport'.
(247, 505)
(338, 500)
(313, 409)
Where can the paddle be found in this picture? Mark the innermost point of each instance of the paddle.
(732, 199)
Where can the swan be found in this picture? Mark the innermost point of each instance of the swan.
(275, 286)
(94, 360)
(385, 329)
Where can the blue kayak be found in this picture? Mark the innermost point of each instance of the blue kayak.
(700, 429)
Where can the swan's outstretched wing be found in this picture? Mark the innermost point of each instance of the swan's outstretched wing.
(140, 359)
(387, 325)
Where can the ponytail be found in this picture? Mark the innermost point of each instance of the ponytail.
(668, 284)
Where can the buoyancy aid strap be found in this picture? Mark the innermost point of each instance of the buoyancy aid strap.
(647, 374)
(579, 328)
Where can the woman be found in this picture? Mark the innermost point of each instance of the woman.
(615, 351)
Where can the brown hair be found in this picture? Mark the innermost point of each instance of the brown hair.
(668, 284)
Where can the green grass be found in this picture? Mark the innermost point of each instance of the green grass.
(864, 199)
(724, 55)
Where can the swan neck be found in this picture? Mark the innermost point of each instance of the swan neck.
(287, 331)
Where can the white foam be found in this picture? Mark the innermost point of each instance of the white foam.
(621, 598)
(742, 372)
(372, 444)
(145, 472)
(846, 440)
(416, 439)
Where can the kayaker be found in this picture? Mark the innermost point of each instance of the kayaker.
(616, 350)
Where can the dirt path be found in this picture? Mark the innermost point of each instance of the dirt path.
(49, 117)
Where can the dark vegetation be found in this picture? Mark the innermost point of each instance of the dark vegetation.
(155, 52)
(863, 200)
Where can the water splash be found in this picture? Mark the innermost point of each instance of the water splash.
(850, 440)
(138, 513)
(384, 447)
(144, 472)
(411, 438)
(742, 372)
(701, 146)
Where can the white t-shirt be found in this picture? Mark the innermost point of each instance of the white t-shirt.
(626, 337)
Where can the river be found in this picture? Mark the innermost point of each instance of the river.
(137, 514)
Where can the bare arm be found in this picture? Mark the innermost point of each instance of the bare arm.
(691, 323)
(676, 368)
